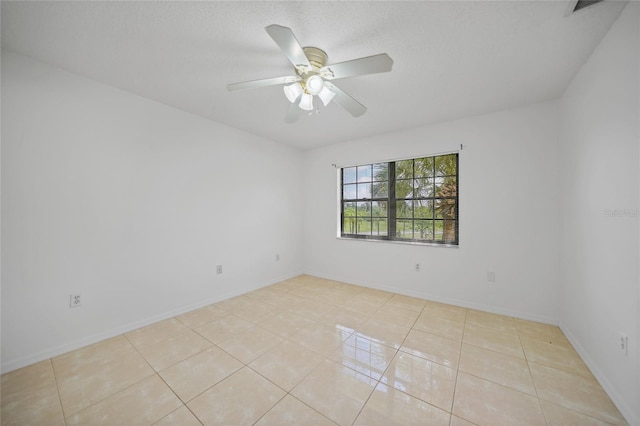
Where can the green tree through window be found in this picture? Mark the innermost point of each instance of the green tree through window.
(409, 200)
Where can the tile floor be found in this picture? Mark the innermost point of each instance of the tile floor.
(309, 351)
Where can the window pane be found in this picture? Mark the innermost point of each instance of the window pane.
(364, 226)
(349, 225)
(364, 190)
(349, 209)
(449, 231)
(446, 186)
(404, 209)
(379, 209)
(349, 175)
(380, 190)
(404, 188)
(381, 172)
(364, 173)
(404, 229)
(423, 230)
(423, 167)
(446, 165)
(379, 227)
(423, 188)
(423, 209)
(348, 192)
(438, 225)
(445, 209)
(404, 169)
(364, 209)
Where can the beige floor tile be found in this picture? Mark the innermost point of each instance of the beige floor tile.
(577, 393)
(486, 403)
(373, 295)
(388, 406)
(311, 310)
(343, 318)
(363, 355)
(90, 374)
(397, 315)
(180, 417)
(202, 316)
(286, 364)
(384, 332)
(291, 412)
(143, 403)
(194, 375)
(489, 320)
(544, 332)
(250, 343)
(321, 338)
(407, 302)
(498, 341)
(557, 356)
(421, 378)
(268, 294)
(560, 416)
(336, 391)
(433, 348)
(451, 312)
(165, 353)
(457, 421)
(223, 328)
(445, 327)
(498, 368)
(30, 396)
(240, 399)
(257, 312)
(362, 307)
(287, 285)
(156, 332)
(286, 324)
(232, 304)
(308, 292)
(332, 298)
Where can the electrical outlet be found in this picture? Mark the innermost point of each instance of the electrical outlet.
(491, 277)
(219, 269)
(623, 343)
(277, 257)
(75, 300)
(417, 267)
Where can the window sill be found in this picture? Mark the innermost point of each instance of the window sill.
(411, 243)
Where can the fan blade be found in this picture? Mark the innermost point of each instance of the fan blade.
(284, 38)
(263, 83)
(294, 111)
(367, 65)
(354, 107)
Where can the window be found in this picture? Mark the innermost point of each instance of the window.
(412, 200)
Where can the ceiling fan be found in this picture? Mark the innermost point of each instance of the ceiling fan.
(313, 77)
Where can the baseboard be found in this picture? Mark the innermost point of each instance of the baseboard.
(627, 411)
(117, 331)
(450, 301)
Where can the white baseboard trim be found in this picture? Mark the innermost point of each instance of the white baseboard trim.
(623, 406)
(451, 301)
(117, 331)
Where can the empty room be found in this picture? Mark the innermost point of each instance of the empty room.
(320, 213)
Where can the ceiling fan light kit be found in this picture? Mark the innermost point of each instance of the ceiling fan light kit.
(313, 75)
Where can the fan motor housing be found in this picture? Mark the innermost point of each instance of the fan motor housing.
(317, 57)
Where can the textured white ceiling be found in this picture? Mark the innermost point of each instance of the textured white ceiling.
(451, 58)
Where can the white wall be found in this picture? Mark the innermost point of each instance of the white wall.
(132, 204)
(509, 215)
(600, 253)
